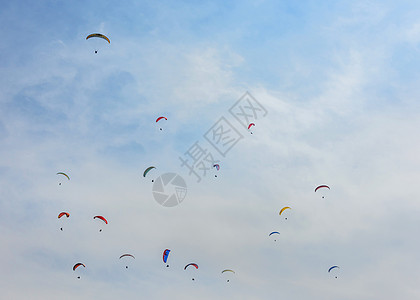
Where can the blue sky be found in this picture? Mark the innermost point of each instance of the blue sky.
(339, 82)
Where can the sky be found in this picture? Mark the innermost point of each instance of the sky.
(336, 85)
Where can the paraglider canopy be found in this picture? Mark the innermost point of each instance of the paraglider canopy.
(321, 186)
(101, 218)
(124, 255)
(78, 265)
(165, 256)
(191, 264)
(98, 35)
(63, 214)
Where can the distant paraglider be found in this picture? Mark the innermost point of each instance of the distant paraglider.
(127, 255)
(332, 268)
(148, 170)
(191, 264)
(274, 233)
(217, 166)
(160, 118)
(101, 218)
(64, 174)
(165, 256)
(98, 35)
(63, 214)
(283, 209)
(229, 271)
(322, 187)
(250, 125)
(78, 265)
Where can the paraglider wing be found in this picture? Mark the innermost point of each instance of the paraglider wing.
(78, 265)
(148, 170)
(99, 35)
(63, 214)
(124, 255)
(62, 173)
(322, 186)
(217, 166)
(160, 118)
(165, 255)
(333, 267)
(274, 232)
(228, 270)
(250, 125)
(283, 209)
(102, 218)
(191, 264)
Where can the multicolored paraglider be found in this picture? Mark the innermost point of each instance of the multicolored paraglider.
(228, 271)
(165, 256)
(148, 170)
(283, 209)
(63, 214)
(78, 265)
(160, 118)
(98, 35)
(217, 166)
(333, 268)
(64, 174)
(101, 218)
(323, 186)
(191, 264)
(127, 255)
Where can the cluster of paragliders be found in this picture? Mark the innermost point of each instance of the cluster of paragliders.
(166, 252)
(275, 234)
(165, 257)
(64, 213)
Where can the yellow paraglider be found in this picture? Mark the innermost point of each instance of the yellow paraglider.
(99, 35)
(283, 209)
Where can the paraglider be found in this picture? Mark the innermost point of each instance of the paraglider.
(228, 270)
(191, 264)
(76, 266)
(217, 166)
(283, 209)
(101, 218)
(63, 214)
(275, 233)
(332, 268)
(165, 256)
(250, 125)
(160, 118)
(98, 35)
(64, 174)
(322, 186)
(148, 170)
(127, 255)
